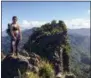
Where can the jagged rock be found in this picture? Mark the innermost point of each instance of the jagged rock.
(12, 64)
(46, 42)
(35, 69)
(59, 75)
(24, 53)
(70, 76)
(34, 59)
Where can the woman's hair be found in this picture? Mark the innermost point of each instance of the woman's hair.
(14, 17)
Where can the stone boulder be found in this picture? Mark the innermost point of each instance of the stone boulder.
(12, 65)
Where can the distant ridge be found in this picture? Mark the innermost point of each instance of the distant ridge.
(81, 31)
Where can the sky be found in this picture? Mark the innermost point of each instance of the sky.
(34, 14)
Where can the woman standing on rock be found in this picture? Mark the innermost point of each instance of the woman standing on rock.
(15, 35)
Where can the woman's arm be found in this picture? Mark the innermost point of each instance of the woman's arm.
(20, 32)
(12, 34)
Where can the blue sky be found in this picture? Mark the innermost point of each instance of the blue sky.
(34, 14)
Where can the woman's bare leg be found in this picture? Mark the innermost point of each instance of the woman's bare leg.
(16, 45)
(13, 47)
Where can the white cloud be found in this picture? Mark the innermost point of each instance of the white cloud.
(78, 23)
(72, 24)
(30, 24)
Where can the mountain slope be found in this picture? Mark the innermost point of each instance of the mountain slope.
(80, 53)
(82, 31)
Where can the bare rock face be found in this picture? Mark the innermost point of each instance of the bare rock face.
(16, 65)
(11, 65)
(35, 61)
(70, 76)
(47, 42)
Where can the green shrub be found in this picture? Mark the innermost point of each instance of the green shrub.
(46, 70)
(30, 75)
(54, 31)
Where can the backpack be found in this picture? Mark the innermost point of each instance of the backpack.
(8, 29)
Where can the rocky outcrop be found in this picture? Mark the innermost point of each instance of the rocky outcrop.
(50, 41)
(13, 66)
